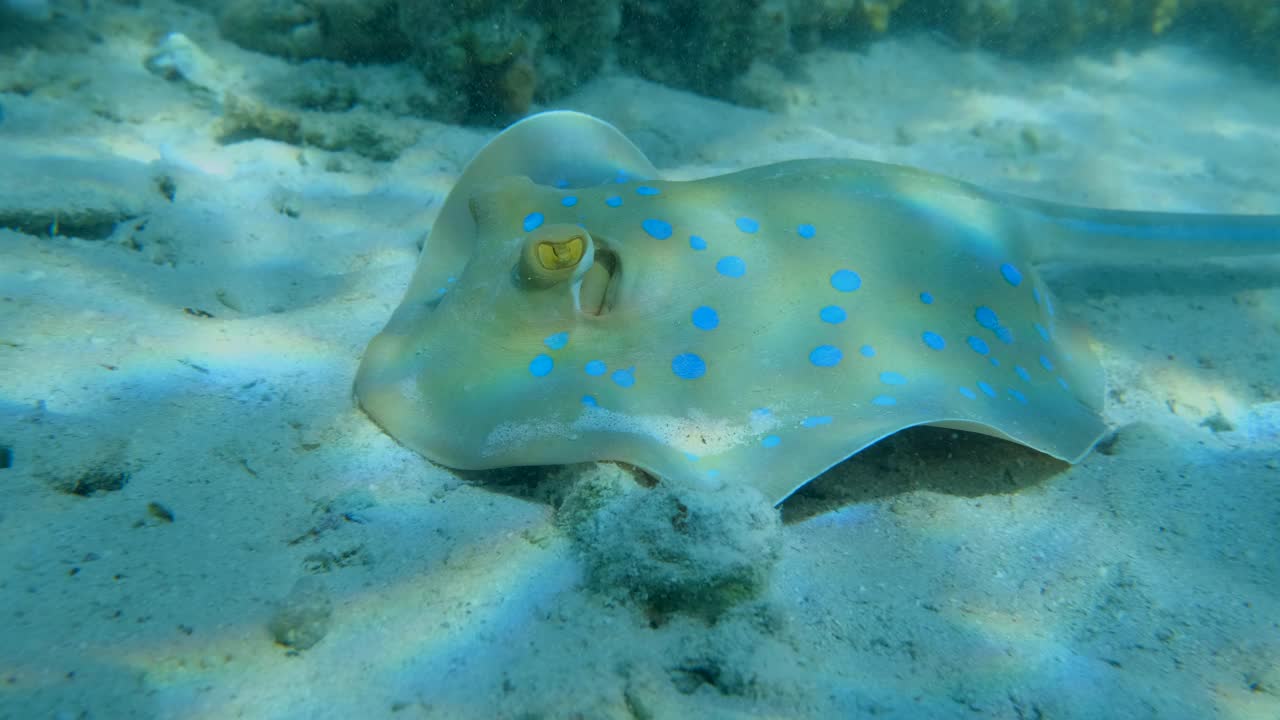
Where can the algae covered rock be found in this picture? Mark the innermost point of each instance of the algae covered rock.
(1254, 26)
(493, 62)
(1038, 27)
(353, 30)
(700, 46)
(672, 548)
(813, 21)
(494, 59)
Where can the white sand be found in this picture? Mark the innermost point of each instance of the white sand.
(936, 576)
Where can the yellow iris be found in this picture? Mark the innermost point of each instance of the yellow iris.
(553, 254)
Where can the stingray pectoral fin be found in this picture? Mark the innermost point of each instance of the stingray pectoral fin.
(1069, 437)
(560, 148)
(386, 382)
(1071, 447)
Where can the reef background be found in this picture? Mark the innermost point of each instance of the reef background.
(207, 209)
(489, 61)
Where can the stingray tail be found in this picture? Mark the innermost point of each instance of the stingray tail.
(1068, 232)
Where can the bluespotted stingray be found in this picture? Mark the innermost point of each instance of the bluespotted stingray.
(760, 326)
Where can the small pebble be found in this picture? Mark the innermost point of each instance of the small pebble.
(302, 619)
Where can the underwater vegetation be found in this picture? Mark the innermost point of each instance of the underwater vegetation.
(490, 61)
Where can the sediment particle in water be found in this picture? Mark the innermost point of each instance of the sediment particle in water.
(160, 512)
(302, 619)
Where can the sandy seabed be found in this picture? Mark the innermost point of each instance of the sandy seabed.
(182, 310)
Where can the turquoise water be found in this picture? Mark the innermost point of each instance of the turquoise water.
(207, 210)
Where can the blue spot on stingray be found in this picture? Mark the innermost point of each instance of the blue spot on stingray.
(1022, 373)
(994, 362)
(713, 474)
(933, 340)
(1011, 274)
(1063, 383)
(1046, 363)
(533, 221)
(978, 344)
(646, 190)
(826, 356)
(1005, 335)
(1035, 295)
(613, 201)
(657, 229)
(697, 243)
(731, 266)
(926, 298)
(541, 365)
(624, 378)
(867, 351)
(747, 225)
(590, 401)
(705, 318)
(688, 366)
(596, 368)
(561, 183)
(884, 400)
(968, 393)
(1044, 334)
(845, 280)
(761, 413)
(986, 317)
(451, 279)
(621, 177)
(691, 457)
(806, 231)
(569, 201)
(986, 389)
(770, 441)
(816, 421)
(1018, 396)
(833, 314)
(892, 378)
(557, 341)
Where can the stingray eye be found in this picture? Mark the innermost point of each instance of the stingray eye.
(553, 254)
(558, 255)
